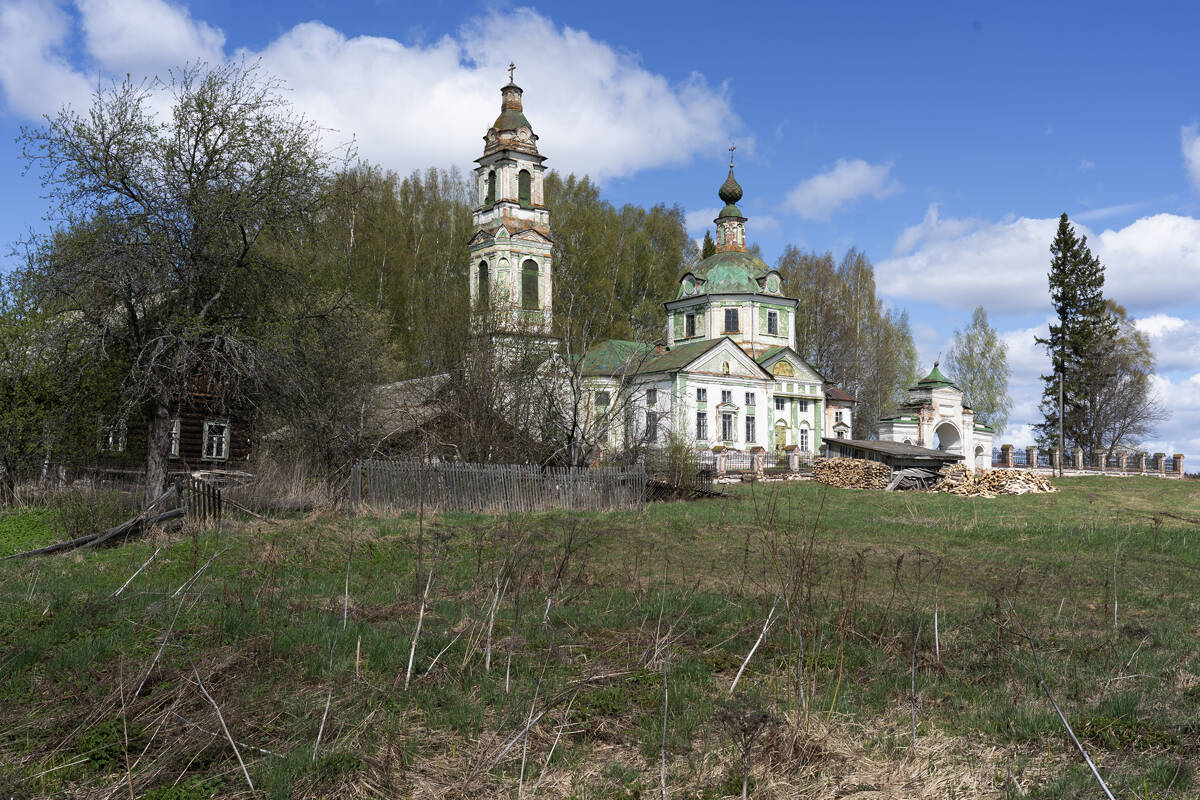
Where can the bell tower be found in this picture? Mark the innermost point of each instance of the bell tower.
(731, 225)
(510, 269)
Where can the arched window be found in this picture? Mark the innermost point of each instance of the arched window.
(491, 187)
(524, 197)
(529, 284)
(484, 282)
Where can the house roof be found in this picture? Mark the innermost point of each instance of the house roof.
(834, 393)
(731, 271)
(678, 357)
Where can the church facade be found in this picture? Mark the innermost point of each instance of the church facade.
(727, 373)
(933, 416)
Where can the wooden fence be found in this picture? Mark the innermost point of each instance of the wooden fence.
(201, 499)
(495, 488)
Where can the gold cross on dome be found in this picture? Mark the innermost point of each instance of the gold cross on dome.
(732, 147)
(511, 68)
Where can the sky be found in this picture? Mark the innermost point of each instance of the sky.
(944, 143)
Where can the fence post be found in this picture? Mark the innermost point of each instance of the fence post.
(1141, 462)
(1006, 456)
(1098, 460)
(1178, 467)
(1031, 456)
(793, 457)
(1160, 464)
(757, 459)
(1056, 459)
(1077, 454)
(721, 462)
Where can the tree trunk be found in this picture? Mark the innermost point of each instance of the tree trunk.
(8, 483)
(158, 448)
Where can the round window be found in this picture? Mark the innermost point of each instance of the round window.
(689, 284)
(773, 283)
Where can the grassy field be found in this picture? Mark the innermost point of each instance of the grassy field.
(899, 660)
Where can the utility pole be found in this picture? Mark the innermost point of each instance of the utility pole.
(1062, 450)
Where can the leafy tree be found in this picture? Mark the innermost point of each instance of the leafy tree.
(846, 333)
(174, 250)
(1080, 342)
(709, 247)
(978, 362)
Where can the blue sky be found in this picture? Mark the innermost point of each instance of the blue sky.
(944, 143)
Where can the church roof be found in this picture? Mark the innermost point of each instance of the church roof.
(935, 379)
(612, 356)
(731, 271)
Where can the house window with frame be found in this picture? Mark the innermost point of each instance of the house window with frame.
(216, 440)
(652, 427)
(841, 434)
(802, 406)
(781, 404)
(689, 325)
(750, 398)
(773, 323)
(731, 321)
(726, 396)
(602, 400)
(175, 438)
(652, 398)
(727, 430)
(701, 425)
(837, 416)
(750, 429)
(701, 394)
(804, 439)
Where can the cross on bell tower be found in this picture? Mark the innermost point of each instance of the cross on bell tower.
(731, 225)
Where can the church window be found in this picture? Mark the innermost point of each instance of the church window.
(802, 406)
(726, 396)
(491, 187)
(689, 324)
(701, 395)
(750, 429)
(601, 399)
(731, 320)
(701, 424)
(484, 282)
(781, 404)
(773, 323)
(727, 426)
(529, 285)
(523, 192)
(749, 398)
(652, 398)
(804, 439)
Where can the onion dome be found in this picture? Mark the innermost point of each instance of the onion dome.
(730, 192)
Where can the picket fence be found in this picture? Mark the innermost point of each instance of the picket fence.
(495, 488)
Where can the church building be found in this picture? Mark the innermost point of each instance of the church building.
(727, 374)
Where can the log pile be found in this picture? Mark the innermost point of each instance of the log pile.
(852, 473)
(990, 484)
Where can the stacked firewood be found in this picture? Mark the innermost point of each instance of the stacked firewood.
(852, 473)
(996, 482)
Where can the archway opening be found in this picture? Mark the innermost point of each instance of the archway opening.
(483, 291)
(491, 187)
(980, 459)
(524, 195)
(529, 285)
(946, 438)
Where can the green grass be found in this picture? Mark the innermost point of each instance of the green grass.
(26, 528)
(857, 571)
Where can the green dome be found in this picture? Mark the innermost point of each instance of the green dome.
(730, 211)
(731, 190)
(731, 271)
(935, 378)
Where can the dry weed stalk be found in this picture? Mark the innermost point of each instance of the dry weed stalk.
(412, 651)
(224, 727)
(766, 626)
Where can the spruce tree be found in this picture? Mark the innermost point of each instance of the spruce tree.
(709, 247)
(1078, 343)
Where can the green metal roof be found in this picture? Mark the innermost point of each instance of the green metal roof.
(731, 190)
(510, 120)
(612, 356)
(678, 357)
(935, 378)
(731, 271)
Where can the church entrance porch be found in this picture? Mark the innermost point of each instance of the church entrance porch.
(947, 439)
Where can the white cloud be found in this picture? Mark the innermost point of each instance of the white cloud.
(143, 37)
(408, 106)
(35, 77)
(816, 198)
(1189, 143)
(1176, 342)
(1085, 165)
(932, 228)
(1093, 214)
(1151, 265)
(1180, 433)
(701, 219)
